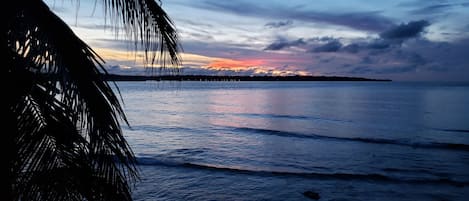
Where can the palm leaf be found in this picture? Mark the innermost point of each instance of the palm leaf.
(148, 25)
(63, 136)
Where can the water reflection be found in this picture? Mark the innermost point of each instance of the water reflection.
(322, 128)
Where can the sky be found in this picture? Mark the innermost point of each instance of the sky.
(422, 40)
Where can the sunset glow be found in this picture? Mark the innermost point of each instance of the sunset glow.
(234, 64)
(418, 40)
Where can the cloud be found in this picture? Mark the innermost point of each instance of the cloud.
(198, 36)
(387, 70)
(235, 64)
(378, 44)
(368, 20)
(351, 48)
(322, 39)
(443, 54)
(415, 59)
(332, 46)
(432, 9)
(60, 9)
(279, 24)
(194, 23)
(405, 31)
(436, 7)
(366, 60)
(418, 59)
(282, 44)
(391, 38)
(100, 26)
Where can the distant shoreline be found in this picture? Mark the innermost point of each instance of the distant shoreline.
(114, 77)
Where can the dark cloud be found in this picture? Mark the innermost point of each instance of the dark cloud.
(351, 48)
(327, 59)
(282, 44)
(389, 39)
(421, 3)
(432, 9)
(429, 7)
(443, 60)
(381, 70)
(359, 70)
(366, 60)
(405, 31)
(322, 39)
(437, 55)
(332, 46)
(437, 68)
(279, 24)
(415, 59)
(376, 46)
(369, 21)
(398, 69)
(379, 44)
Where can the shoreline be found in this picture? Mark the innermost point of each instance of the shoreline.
(115, 77)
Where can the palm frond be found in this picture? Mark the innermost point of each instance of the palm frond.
(148, 25)
(63, 138)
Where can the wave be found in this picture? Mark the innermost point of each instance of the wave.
(152, 128)
(415, 171)
(451, 130)
(431, 145)
(148, 161)
(286, 116)
(272, 115)
(189, 151)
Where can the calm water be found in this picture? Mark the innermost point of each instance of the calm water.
(275, 140)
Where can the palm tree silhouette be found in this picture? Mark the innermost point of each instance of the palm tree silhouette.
(61, 136)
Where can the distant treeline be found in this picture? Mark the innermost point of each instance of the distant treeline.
(113, 77)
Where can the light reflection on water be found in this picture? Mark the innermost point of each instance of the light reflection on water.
(398, 130)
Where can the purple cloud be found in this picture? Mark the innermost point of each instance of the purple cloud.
(282, 44)
(368, 20)
(332, 46)
(405, 31)
(279, 24)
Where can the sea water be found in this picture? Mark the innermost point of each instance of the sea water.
(277, 140)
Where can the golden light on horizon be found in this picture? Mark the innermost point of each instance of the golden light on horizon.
(230, 64)
(135, 59)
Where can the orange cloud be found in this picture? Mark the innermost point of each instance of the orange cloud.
(229, 64)
(264, 66)
(136, 58)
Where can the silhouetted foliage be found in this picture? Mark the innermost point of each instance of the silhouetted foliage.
(61, 138)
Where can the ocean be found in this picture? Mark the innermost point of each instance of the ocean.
(277, 140)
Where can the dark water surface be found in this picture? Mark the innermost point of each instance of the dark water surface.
(275, 140)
